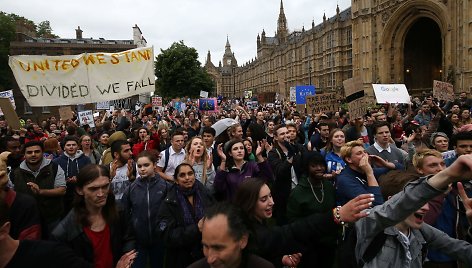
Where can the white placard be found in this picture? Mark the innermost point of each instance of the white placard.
(203, 94)
(8, 94)
(84, 78)
(86, 118)
(293, 94)
(103, 105)
(391, 93)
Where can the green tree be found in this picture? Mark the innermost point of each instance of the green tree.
(7, 34)
(44, 30)
(179, 73)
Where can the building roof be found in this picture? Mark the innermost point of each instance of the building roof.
(28, 39)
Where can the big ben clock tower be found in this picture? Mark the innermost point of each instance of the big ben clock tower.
(228, 58)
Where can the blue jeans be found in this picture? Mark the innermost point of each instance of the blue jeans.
(154, 253)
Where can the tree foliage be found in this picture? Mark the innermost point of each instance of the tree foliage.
(44, 30)
(179, 73)
(7, 34)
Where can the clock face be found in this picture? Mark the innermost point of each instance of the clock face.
(228, 61)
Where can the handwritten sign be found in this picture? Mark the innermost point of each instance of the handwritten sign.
(391, 93)
(322, 103)
(443, 90)
(84, 78)
(357, 108)
(9, 112)
(203, 94)
(302, 92)
(157, 101)
(103, 105)
(86, 118)
(293, 94)
(65, 113)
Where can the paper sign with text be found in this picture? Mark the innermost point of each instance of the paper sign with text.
(203, 94)
(357, 108)
(157, 101)
(86, 118)
(443, 90)
(391, 93)
(10, 115)
(293, 94)
(103, 105)
(322, 103)
(84, 78)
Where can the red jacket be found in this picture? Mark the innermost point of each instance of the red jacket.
(141, 146)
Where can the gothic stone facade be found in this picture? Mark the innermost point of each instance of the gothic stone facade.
(382, 41)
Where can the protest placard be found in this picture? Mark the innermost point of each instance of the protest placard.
(86, 118)
(203, 94)
(352, 85)
(8, 94)
(65, 113)
(443, 90)
(391, 93)
(207, 104)
(357, 108)
(322, 103)
(103, 105)
(9, 112)
(302, 92)
(293, 94)
(252, 105)
(157, 101)
(84, 78)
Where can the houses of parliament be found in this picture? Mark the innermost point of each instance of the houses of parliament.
(411, 42)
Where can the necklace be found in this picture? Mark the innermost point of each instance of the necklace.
(313, 191)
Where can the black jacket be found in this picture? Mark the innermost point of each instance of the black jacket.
(71, 233)
(183, 243)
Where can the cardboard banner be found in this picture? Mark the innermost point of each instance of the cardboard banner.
(65, 113)
(103, 105)
(352, 85)
(391, 93)
(86, 118)
(302, 92)
(443, 90)
(9, 95)
(10, 115)
(207, 104)
(322, 103)
(203, 94)
(157, 101)
(293, 94)
(357, 108)
(84, 78)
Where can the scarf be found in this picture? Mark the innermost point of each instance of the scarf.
(192, 214)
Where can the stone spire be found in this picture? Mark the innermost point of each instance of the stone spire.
(228, 47)
(282, 30)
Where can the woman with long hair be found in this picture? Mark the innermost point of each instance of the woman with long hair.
(180, 215)
(164, 138)
(94, 229)
(279, 243)
(332, 151)
(87, 147)
(197, 156)
(235, 167)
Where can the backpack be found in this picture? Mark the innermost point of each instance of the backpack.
(348, 256)
(166, 155)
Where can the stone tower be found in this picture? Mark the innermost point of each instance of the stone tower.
(282, 29)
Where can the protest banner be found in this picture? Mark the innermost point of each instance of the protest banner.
(103, 105)
(352, 86)
(157, 101)
(65, 113)
(322, 103)
(357, 108)
(252, 105)
(203, 94)
(86, 118)
(207, 104)
(84, 78)
(443, 90)
(302, 92)
(293, 94)
(9, 112)
(8, 94)
(391, 93)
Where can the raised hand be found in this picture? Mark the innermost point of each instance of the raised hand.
(291, 260)
(365, 165)
(354, 209)
(221, 154)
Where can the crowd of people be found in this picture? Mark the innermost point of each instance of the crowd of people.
(240, 187)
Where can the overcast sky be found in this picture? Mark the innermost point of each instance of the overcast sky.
(202, 24)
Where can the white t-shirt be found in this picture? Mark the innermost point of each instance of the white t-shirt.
(175, 159)
(120, 182)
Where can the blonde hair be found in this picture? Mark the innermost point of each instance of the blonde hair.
(346, 150)
(419, 157)
(204, 157)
